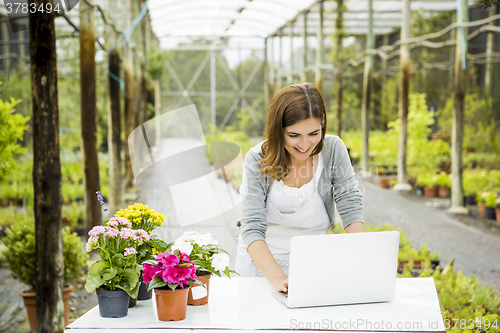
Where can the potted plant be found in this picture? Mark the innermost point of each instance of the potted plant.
(429, 182)
(481, 203)
(497, 209)
(142, 217)
(491, 204)
(116, 276)
(170, 275)
(444, 182)
(20, 259)
(203, 250)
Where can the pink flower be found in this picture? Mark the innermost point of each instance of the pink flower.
(98, 229)
(142, 233)
(170, 274)
(92, 241)
(184, 257)
(126, 233)
(129, 250)
(112, 223)
(111, 232)
(167, 259)
(121, 221)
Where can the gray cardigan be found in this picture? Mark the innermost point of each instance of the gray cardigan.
(337, 183)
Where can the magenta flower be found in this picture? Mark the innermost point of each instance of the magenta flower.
(167, 259)
(169, 268)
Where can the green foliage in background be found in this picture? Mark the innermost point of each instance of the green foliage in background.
(20, 255)
(480, 126)
(156, 63)
(12, 127)
(423, 155)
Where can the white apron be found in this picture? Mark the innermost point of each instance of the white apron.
(311, 219)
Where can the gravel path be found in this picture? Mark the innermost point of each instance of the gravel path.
(474, 242)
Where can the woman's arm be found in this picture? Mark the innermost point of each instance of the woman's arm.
(355, 227)
(264, 260)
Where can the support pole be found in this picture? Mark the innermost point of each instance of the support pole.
(367, 89)
(319, 51)
(6, 47)
(46, 171)
(267, 87)
(383, 80)
(404, 89)
(271, 67)
(290, 76)
(303, 75)
(279, 78)
(114, 133)
(88, 115)
(158, 112)
(488, 77)
(213, 111)
(130, 92)
(114, 117)
(457, 129)
(339, 39)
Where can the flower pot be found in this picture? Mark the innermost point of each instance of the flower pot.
(384, 182)
(482, 209)
(30, 303)
(112, 304)
(444, 192)
(171, 304)
(430, 191)
(143, 294)
(132, 302)
(490, 213)
(497, 213)
(420, 191)
(200, 301)
(470, 200)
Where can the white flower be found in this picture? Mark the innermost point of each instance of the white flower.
(220, 261)
(182, 245)
(208, 241)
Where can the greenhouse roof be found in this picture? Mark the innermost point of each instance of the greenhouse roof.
(215, 19)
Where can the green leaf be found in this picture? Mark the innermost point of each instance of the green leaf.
(173, 285)
(94, 277)
(156, 282)
(118, 260)
(109, 273)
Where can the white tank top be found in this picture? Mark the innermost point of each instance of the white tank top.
(288, 199)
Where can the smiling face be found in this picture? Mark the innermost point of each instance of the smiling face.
(301, 138)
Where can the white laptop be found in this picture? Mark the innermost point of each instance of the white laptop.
(341, 269)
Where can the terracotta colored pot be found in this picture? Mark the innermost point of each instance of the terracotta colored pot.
(497, 211)
(482, 209)
(30, 303)
(200, 301)
(171, 304)
(444, 192)
(430, 191)
(384, 182)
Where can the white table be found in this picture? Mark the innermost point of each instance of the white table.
(247, 304)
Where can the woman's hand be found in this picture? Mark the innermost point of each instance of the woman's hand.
(282, 285)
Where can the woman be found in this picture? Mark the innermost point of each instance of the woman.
(290, 181)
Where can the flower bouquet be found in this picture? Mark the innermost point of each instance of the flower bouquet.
(170, 275)
(116, 275)
(142, 217)
(208, 258)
